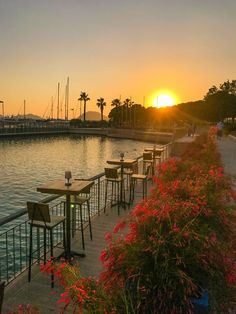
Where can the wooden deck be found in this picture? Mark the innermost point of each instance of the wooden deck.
(38, 292)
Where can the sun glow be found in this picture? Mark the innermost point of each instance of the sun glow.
(163, 99)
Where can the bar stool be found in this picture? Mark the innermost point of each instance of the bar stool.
(112, 176)
(77, 202)
(129, 171)
(144, 178)
(40, 217)
(158, 158)
(147, 160)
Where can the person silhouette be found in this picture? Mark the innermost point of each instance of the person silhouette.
(220, 126)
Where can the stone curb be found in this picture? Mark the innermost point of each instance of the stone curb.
(232, 137)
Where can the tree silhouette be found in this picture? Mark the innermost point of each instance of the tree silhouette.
(116, 102)
(84, 97)
(229, 87)
(101, 104)
(211, 91)
(127, 103)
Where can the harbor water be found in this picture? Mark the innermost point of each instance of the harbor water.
(26, 163)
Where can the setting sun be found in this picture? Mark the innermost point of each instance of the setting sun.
(163, 98)
(164, 101)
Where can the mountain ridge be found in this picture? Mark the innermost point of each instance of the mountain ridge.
(92, 116)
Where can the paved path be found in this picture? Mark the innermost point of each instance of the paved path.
(227, 148)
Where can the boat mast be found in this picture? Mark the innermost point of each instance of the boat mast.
(24, 109)
(52, 109)
(58, 99)
(67, 113)
(67, 99)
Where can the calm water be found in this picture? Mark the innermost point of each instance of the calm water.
(27, 163)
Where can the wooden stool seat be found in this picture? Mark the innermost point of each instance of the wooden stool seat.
(138, 176)
(112, 175)
(77, 201)
(55, 220)
(144, 178)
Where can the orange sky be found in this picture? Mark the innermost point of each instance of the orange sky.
(127, 48)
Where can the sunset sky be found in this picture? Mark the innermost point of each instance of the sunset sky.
(113, 48)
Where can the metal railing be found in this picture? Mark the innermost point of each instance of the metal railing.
(14, 241)
(33, 129)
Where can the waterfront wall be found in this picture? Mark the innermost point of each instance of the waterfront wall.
(147, 136)
(142, 135)
(30, 131)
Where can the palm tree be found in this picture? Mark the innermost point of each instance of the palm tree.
(101, 104)
(117, 110)
(116, 102)
(127, 103)
(85, 98)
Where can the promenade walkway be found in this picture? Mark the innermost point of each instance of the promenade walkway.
(227, 148)
(38, 292)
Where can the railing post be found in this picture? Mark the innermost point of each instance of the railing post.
(166, 151)
(169, 150)
(38, 245)
(7, 262)
(99, 182)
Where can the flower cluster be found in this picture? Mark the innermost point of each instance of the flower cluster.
(79, 292)
(24, 309)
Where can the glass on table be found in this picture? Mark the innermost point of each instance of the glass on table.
(68, 176)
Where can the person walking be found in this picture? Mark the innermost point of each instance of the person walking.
(194, 128)
(219, 133)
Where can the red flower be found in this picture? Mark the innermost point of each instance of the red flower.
(119, 226)
(65, 298)
(175, 228)
(103, 255)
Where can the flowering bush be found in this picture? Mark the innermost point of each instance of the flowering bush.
(24, 309)
(80, 293)
(176, 243)
(179, 240)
